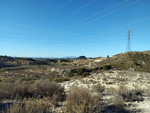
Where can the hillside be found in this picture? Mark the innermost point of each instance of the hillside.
(137, 61)
(98, 85)
(5, 59)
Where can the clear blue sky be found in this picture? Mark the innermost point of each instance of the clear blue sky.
(58, 28)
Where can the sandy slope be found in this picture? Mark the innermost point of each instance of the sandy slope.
(112, 80)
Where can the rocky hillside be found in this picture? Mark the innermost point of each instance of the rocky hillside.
(5, 59)
(136, 61)
(112, 80)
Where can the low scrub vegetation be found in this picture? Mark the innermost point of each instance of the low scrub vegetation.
(31, 96)
(79, 72)
(107, 67)
(79, 100)
(64, 60)
(99, 88)
(130, 95)
(30, 106)
(29, 78)
(61, 79)
(85, 72)
(30, 89)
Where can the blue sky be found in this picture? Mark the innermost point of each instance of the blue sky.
(58, 28)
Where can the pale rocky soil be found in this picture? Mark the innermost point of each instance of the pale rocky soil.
(111, 80)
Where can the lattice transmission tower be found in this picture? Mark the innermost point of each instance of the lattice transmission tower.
(128, 49)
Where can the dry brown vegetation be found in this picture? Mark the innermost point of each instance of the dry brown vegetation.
(130, 95)
(29, 89)
(30, 106)
(99, 88)
(31, 96)
(80, 100)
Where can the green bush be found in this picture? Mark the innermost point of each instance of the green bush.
(64, 60)
(79, 72)
(85, 74)
(107, 67)
(71, 72)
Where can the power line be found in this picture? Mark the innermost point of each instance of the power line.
(116, 28)
(48, 42)
(95, 14)
(91, 16)
(91, 35)
(45, 5)
(50, 1)
(105, 14)
(108, 13)
(78, 10)
(86, 5)
(66, 3)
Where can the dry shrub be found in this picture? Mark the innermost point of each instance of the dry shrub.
(21, 90)
(38, 89)
(114, 104)
(30, 106)
(79, 100)
(10, 90)
(130, 95)
(5, 89)
(111, 91)
(44, 88)
(99, 88)
(113, 109)
(118, 101)
(61, 79)
(122, 89)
